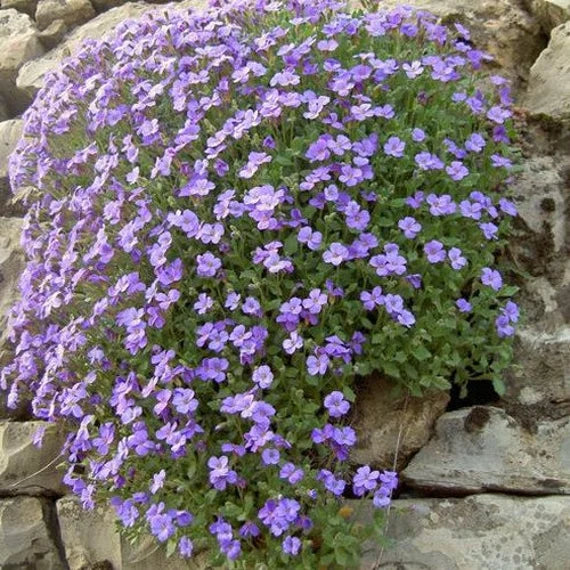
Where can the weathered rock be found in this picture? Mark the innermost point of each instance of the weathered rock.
(501, 27)
(26, 6)
(10, 133)
(91, 540)
(19, 43)
(4, 112)
(53, 34)
(550, 13)
(26, 539)
(30, 77)
(89, 537)
(542, 371)
(481, 532)
(383, 422)
(549, 84)
(484, 449)
(72, 12)
(24, 468)
(104, 5)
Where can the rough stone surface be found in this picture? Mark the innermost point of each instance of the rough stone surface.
(4, 111)
(19, 43)
(542, 374)
(548, 91)
(10, 132)
(52, 36)
(483, 449)
(30, 78)
(381, 419)
(502, 27)
(89, 537)
(481, 532)
(26, 540)
(550, 13)
(26, 6)
(24, 468)
(72, 12)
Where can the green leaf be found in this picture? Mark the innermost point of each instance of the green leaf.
(421, 352)
(291, 244)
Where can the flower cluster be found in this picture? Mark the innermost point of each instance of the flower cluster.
(240, 211)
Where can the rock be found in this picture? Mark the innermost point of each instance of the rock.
(483, 449)
(53, 34)
(502, 27)
(72, 12)
(10, 133)
(91, 540)
(380, 417)
(551, 13)
(24, 468)
(481, 532)
(30, 77)
(549, 84)
(19, 43)
(542, 372)
(104, 5)
(88, 537)
(26, 538)
(4, 112)
(26, 6)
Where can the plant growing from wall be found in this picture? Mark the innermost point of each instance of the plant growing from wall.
(238, 212)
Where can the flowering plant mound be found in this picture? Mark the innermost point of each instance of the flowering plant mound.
(238, 212)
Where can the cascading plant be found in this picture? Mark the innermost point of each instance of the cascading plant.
(238, 212)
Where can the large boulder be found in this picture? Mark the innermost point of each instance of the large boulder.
(30, 77)
(484, 449)
(26, 6)
(72, 12)
(549, 85)
(26, 468)
(481, 532)
(27, 540)
(19, 43)
(390, 427)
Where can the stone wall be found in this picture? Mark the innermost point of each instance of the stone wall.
(486, 482)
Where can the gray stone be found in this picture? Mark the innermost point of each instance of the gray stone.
(481, 532)
(53, 35)
(542, 370)
(30, 77)
(26, 6)
(25, 468)
(483, 449)
(19, 43)
(549, 84)
(10, 133)
(26, 537)
(385, 423)
(551, 13)
(72, 12)
(88, 537)
(4, 111)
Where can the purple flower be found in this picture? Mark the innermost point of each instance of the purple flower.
(208, 265)
(475, 143)
(364, 480)
(418, 135)
(336, 405)
(312, 238)
(428, 161)
(318, 365)
(491, 278)
(394, 147)
(463, 305)
(434, 251)
(315, 301)
(456, 258)
(372, 299)
(185, 547)
(335, 254)
(457, 170)
(262, 376)
(410, 227)
(291, 545)
(270, 456)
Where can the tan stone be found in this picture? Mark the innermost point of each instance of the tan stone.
(72, 12)
(26, 536)
(382, 420)
(25, 468)
(10, 133)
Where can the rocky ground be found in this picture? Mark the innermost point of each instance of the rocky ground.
(486, 481)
